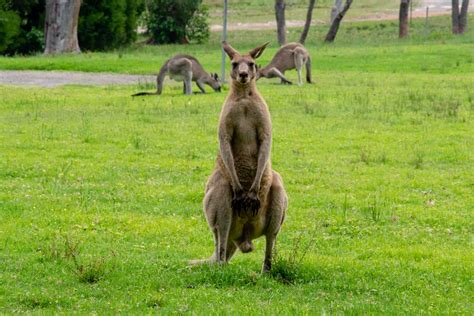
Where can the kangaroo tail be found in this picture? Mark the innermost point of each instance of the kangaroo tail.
(159, 82)
(308, 70)
(144, 93)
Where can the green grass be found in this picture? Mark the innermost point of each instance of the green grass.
(263, 10)
(100, 194)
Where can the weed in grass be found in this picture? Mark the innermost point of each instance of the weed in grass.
(418, 160)
(65, 249)
(382, 158)
(374, 207)
(155, 301)
(85, 130)
(364, 155)
(345, 207)
(288, 265)
(138, 142)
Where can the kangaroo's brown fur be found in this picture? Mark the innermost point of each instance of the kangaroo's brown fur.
(185, 68)
(244, 198)
(289, 56)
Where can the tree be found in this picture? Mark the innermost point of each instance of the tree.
(336, 8)
(307, 24)
(403, 18)
(331, 35)
(167, 20)
(107, 24)
(60, 27)
(24, 35)
(9, 27)
(280, 19)
(459, 19)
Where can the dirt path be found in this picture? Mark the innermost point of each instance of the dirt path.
(57, 78)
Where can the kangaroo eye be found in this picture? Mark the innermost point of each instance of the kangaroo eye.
(251, 65)
(234, 65)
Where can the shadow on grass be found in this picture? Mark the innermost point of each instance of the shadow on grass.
(233, 275)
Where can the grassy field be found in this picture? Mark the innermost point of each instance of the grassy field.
(100, 194)
(263, 10)
(370, 46)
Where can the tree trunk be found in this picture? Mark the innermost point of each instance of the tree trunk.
(331, 35)
(60, 27)
(463, 17)
(309, 16)
(403, 18)
(280, 19)
(455, 16)
(336, 8)
(459, 19)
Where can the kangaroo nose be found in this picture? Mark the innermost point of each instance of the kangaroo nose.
(244, 74)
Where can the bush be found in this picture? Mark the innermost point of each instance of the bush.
(9, 28)
(167, 21)
(107, 24)
(21, 25)
(197, 29)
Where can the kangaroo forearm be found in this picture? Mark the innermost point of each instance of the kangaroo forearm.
(263, 158)
(228, 159)
(276, 73)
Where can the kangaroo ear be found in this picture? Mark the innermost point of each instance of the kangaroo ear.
(230, 51)
(258, 51)
(216, 77)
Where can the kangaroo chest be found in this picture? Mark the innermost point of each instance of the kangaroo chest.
(245, 141)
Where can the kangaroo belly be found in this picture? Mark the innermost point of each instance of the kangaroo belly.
(246, 168)
(177, 77)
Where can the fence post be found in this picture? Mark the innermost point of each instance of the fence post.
(426, 20)
(224, 37)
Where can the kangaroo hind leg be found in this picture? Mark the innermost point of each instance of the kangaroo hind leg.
(218, 211)
(278, 204)
(299, 63)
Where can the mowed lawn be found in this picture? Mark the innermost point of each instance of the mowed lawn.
(100, 193)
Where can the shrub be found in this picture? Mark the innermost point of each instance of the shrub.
(9, 28)
(197, 29)
(21, 25)
(107, 24)
(167, 20)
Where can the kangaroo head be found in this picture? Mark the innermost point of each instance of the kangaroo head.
(214, 82)
(243, 66)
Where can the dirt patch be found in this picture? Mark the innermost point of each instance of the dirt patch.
(58, 78)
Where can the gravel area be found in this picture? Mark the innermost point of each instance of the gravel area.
(57, 78)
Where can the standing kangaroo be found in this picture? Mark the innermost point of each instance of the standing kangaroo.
(289, 56)
(185, 68)
(244, 198)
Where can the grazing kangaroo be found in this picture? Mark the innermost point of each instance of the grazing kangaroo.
(289, 56)
(185, 68)
(244, 198)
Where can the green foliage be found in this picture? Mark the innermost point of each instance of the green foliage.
(107, 24)
(9, 28)
(167, 20)
(197, 29)
(23, 33)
